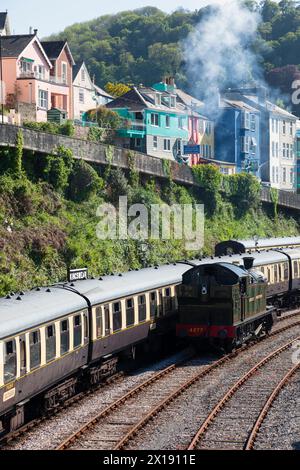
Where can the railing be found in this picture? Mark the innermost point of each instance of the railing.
(58, 80)
(132, 125)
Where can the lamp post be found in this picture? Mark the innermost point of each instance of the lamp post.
(1, 72)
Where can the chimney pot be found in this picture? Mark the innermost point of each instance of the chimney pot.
(35, 31)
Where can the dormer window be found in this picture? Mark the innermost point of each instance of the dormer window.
(158, 99)
(173, 101)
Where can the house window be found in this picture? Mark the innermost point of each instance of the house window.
(208, 128)
(273, 149)
(154, 119)
(273, 125)
(167, 145)
(252, 122)
(246, 120)
(245, 144)
(81, 95)
(181, 123)
(158, 99)
(40, 72)
(277, 174)
(253, 144)
(291, 128)
(83, 75)
(155, 142)
(276, 122)
(273, 174)
(201, 126)
(291, 176)
(26, 66)
(287, 150)
(283, 150)
(167, 121)
(138, 142)
(284, 175)
(209, 151)
(43, 99)
(173, 101)
(283, 127)
(276, 149)
(64, 72)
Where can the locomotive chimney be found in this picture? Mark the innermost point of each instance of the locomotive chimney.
(248, 262)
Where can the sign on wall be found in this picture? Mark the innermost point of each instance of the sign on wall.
(191, 149)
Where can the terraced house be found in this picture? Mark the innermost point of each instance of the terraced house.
(154, 122)
(237, 139)
(277, 129)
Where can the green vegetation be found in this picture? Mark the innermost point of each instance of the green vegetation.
(48, 216)
(143, 45)
(52, 127)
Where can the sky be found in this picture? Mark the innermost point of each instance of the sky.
(55, 15)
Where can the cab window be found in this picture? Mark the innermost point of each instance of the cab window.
(10, 361)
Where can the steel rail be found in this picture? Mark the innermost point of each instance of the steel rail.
(121, 444)
(230, 393)
(265, 410)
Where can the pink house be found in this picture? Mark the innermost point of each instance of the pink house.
(33, 83)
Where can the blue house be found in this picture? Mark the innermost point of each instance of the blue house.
(237, 135)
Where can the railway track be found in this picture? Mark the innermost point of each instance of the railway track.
(119, 423)
(254, 386)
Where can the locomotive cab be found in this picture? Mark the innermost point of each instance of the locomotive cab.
(220, 303)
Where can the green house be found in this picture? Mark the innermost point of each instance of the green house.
(154, 122)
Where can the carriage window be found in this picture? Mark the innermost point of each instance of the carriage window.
(77, 331)
(129, 312)
(10, 361)
(275, 273)
(153, 304)
(50, 343)
(168, 300)
(117, 316)
(106, 319)
(98, 322)
(64, 337)
(280, 272)
(142, 308)
(35, 349)
(168, 292)
(296, 268)
(286, 271)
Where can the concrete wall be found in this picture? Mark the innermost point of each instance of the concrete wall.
(97, 153)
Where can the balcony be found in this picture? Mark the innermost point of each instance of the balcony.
(58, 80)
(132, 128)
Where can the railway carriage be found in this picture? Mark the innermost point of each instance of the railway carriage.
(251, 245)
(54, 341)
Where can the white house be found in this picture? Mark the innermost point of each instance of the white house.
(86, 94)
(283, 161)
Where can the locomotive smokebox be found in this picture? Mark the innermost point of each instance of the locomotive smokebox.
(248, 262)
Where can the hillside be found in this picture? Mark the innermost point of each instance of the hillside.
(143, 45)
(48, 218)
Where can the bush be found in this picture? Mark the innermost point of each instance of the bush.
(52, 127)
(83, 182)
(210, 181)
(96, 134)
(243, 189)
(105, 117)
(117, 185)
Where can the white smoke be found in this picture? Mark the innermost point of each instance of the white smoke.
(218, 53)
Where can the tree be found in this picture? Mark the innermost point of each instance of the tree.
(83, 182)
(116, 89)
(17, 154)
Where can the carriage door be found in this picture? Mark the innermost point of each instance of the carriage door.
(243, 293)
(106, 325)
(23, 362)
